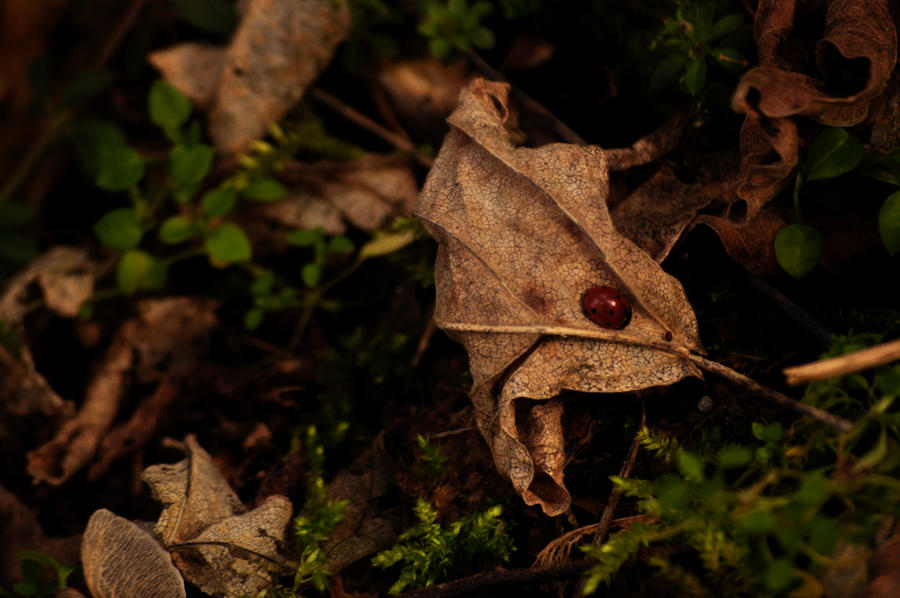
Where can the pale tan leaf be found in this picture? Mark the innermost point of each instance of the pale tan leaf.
(278, 49)
(192, 68)
(523, 234)
(120, 560)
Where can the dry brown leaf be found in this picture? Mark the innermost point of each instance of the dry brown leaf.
(770, 150)
(278, 49)
(752, 245)
(366, 193)
(193, 68)
(523, 233)
(855, 58)
(220, 548)
(363, 530)
(885, 567)
(120, 560)
(165, 335)
(655, 215)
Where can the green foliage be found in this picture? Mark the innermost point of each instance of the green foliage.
(311, 272)
(692, 39)
(889, 223)
(833, 152)
(455, 25)
(429, 551)
(33, 567)
(169, 108)
(798, 248)
(432, 460)
(764, 518)
(227, 244)
(320, 516)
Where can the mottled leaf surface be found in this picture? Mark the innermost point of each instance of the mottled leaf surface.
(523, 233)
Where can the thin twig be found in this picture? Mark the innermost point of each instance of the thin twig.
(625, 472)
(838, 423)
(118, 34)
(502, 578)
(424, 340)
(529, 103)
(370, 125)
(812, 327)
(844, 364)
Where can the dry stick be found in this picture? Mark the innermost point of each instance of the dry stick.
(616, 494)
(844, 364)
(370, 125)
(838, 423)
(489, 580)
(529, 103)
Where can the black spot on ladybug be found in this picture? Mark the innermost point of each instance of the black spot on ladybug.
(606, 307)
(668, 335)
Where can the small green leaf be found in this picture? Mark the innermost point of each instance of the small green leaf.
(176, 229)
(253, 318)
(14, 214)
(798, 248)
(217, 202)
(483, 38)
(695, 76)
(813, 489)
(833, 153)
(16, 248)
(667, 71)
(385, 244)
(779, 574)
(188, 164)
(119, 169)
(340, 244)
(264, 189)
(888, 380)
(311, 273)
(759, 521)
(212, 16)
(690, 465)
(169, 108)
(138, 270)
(94, 140)
(726, 25)
(729, 58)
(823, 534)
(305, 237)
(119, 229)
(889, 223)
(439, 47)
(85, 86)
(262, 284)
(734, 456)
(228, 244)
(874, 456)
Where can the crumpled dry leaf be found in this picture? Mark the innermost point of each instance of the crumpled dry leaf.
(365, 192)
(219, 547)
(363, 530)
(854, 57)
(120, 560)
(279, 48)
(165, 335)
(655, 215)
(753, 245)
(523, 233)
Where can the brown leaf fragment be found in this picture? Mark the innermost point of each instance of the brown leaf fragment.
(120, 560)
(885, 566)
(278, 49)
(166, 334)
(65, 275)
(769, 150)
(523, 233)
(855, 58)
(655, 214)
(649, 148)
(751, 245)
(219, 546)
(192, 68)
(25, 391)
(366, 193)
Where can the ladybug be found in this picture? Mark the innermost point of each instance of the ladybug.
(607, 307)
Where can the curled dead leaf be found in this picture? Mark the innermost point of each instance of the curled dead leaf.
(770, 150)
(120, 560)
(219, 546)
(752, 245)
(523, 233)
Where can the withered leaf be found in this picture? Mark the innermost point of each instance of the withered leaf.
(770, 150)
(523, 233)
(192, 68)
(120, 560)
(751, 245)
(218, 546)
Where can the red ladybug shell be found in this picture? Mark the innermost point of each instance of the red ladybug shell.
(607, 307)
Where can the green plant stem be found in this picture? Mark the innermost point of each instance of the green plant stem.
(798, 182)
(184, 255)
(33, 155)
(315, 297)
